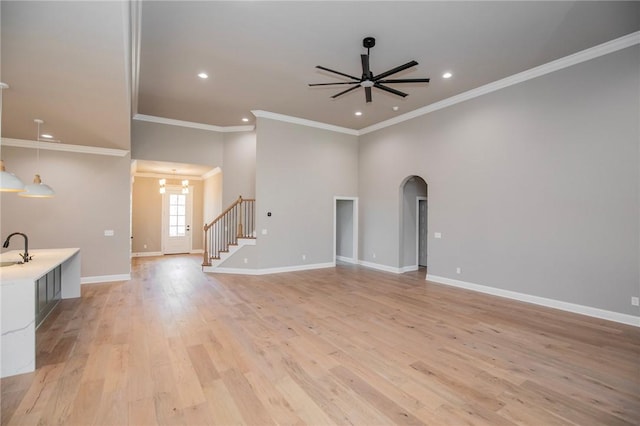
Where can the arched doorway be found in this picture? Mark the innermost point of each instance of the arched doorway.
(413, 224)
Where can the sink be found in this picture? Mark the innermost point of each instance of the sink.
(3, 264)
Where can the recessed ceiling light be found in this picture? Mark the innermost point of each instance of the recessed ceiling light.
(447, 75)
(203, 75)
(245, 119)
(358, 113)
(46, 136)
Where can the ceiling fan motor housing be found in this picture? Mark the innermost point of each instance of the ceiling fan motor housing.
(369, 42)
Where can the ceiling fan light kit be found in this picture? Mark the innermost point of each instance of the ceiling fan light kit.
(368, 79)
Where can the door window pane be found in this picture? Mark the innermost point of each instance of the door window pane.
(177, 215)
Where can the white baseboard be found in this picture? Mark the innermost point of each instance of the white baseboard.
(379, 267)
(197, 251)
(409, 268)
(105, 279)
(266, 271)
(146, 254)
(347, 259)
(542, 301)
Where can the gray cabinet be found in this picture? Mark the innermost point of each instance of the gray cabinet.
(48, 291)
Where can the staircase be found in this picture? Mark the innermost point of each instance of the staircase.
(232, 229)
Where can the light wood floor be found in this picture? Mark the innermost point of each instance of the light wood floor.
(332, 346)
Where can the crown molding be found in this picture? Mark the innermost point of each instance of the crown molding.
(51, 146)
(576, 58)
(211, 172)
(157, 175)
(193, 125)
(304, 122)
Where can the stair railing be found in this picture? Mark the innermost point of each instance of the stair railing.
(237, 221)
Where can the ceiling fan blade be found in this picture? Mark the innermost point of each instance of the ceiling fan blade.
(390, 90)
(331, 84)
(367, 93)
(405, 80)
(365, 66)
(345, 91)
(338, 72)
(395, 70)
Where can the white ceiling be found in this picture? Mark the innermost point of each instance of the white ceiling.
(68, 62)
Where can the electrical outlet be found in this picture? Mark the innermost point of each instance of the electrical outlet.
(373, 255)
(635, 301)
(264, 232)
(458, 270)
(145, 246)
(304, 257)
(246, 260)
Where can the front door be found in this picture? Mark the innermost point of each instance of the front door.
(176, 221)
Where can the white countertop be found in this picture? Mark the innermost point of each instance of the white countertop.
(44, 260)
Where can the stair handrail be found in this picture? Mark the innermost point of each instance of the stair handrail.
(239, 231)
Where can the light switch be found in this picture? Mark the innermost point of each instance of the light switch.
(437, 235)
(108, 233)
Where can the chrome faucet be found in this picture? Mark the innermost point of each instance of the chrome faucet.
(25, 256)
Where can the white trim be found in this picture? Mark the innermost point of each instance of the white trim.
(193, 125)
(542, 301)
(409, 268)
(418, 199)
(105, 279)
(380, 267)
(54, 146)
(304, 122)
(267, 271)
(347, 259)
(146, 254)
(197, 251)
(211, 172)
(167, 176)
(355, 225)
(576, 58)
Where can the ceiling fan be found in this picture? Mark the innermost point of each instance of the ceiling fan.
(368, 80)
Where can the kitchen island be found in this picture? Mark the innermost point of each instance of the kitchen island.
(28, 292)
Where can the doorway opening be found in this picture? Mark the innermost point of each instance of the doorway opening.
(413, 224)
(345, 229)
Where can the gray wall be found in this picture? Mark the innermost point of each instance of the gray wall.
(534, 187)
(212, 199)
(92, 195)
(299, 170)
(239, 168)
(163, 142)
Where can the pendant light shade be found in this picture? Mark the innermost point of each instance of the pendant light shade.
(37, 189)
(8, 181)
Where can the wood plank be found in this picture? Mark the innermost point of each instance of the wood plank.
(344, 345)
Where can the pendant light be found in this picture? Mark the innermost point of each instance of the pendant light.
(185, 186)
(8, 181)
(37, 189)
(163, 183)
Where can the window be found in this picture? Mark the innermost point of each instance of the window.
(177, 215)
